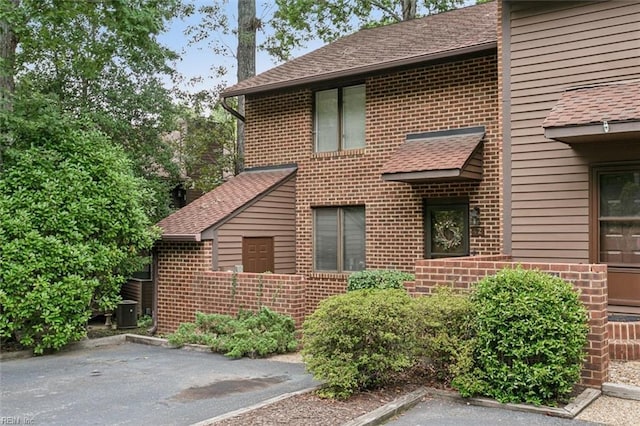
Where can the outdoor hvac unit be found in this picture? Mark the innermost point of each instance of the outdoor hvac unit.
(126, 315)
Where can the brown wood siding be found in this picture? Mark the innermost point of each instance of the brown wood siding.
(272, 216)
(554, 46)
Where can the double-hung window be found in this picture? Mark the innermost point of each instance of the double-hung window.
(339, 239)
(339, 119)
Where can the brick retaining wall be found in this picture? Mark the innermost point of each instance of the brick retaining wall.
(590, 279)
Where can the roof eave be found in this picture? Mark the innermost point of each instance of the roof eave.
(181, 237)
(351, 72)
(593, 132)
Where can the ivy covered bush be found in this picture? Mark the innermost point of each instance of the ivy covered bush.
(359, 340)
(380, 279)
(530, 334)
(444, 339)
(252, 334)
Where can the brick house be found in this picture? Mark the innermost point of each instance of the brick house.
(394, 136)
(414, 146)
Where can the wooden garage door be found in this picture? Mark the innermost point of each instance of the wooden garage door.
(257, 254)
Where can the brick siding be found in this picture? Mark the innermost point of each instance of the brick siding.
(464, 93)
(186, 285)
(590, 279)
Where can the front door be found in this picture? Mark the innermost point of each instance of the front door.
(257, 254)
(446, 228)
(617, 229)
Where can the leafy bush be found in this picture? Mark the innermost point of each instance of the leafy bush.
(531, 330)
(444, 333)
(248, 334)
(379, 279)
(71, 226)
(359, 340)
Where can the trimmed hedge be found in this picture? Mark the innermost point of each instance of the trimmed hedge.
(359, 340)
(530, 334)
(378, 279)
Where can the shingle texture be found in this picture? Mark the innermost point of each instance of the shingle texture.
(430, 154)
(218, 204)
(414, 41)
(591, 105)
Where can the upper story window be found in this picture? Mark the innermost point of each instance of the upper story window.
(339, 118)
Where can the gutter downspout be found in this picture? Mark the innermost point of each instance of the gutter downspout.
(239, 160)
(154, 279)
(230, 110)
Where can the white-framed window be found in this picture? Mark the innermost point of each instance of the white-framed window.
(339, 239)
(340, 119)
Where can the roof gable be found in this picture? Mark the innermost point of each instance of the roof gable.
(188, 223)
(447, 34)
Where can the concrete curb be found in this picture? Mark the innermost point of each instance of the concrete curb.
(244, 410)
(384, 413)
(569, 411)
(618, 390)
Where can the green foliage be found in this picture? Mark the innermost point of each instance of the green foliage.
(379, 279)
(530, 334)
(297, 22)
(101, 61)
(359, 340)
(145, 321)
(253, 334)
(71, 226)
(207, 147)
(444, 333)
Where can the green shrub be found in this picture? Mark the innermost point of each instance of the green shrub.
(72, 222)
(379, 279)
(359, 340)
(248, 334)
(531, 330)
(444, 333)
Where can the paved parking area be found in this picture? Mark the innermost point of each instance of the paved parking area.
(137, 384)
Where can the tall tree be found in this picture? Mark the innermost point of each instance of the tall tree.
(101, 60)
(8, 45)
(248, 24)
(297, 22)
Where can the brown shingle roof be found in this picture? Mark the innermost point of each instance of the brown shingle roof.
(434, 37)
(189, 222)
(434, 155)
(613, 102)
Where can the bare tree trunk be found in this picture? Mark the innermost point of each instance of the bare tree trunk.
(246, 57)
(8, 45)
(408, 9)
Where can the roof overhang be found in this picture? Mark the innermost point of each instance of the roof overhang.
(181, 237)
(443, 156)
(596, 113)
(601, 132)
(361, 71)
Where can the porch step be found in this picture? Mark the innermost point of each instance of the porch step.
(624, 340)
(624, 350)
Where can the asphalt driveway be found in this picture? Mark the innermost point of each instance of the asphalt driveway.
(137, 384)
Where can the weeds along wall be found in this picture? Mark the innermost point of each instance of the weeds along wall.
(186, 284)
(589, 279)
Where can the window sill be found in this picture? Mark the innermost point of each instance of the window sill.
(338, 154)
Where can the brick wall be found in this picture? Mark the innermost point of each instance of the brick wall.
(186, 284)
(464, 93)
(591, 280)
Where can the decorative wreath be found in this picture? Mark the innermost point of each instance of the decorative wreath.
(448, 234)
